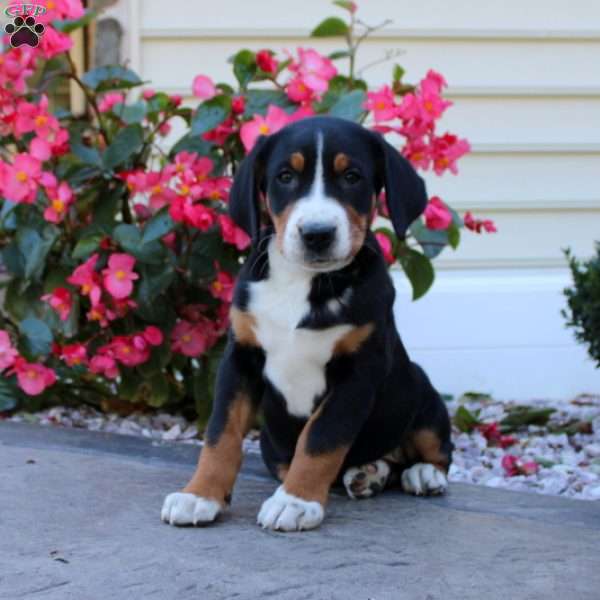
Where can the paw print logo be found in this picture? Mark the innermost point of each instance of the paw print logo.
(24, 31)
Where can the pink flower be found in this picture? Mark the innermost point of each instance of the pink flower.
(437, 215)
(312, 71)
(232, 234)
(153, 335)
(238, 105)
(123, 349)
(19, 181)
(189, 339)
(386, 247)
(222, 286)
(61, 301)
(148, 94)
(16, 66)
(491, 432)
(266, 61)
(104, 365)
(54, 42)
(7, 353)
(203, 87)
(74, 354)
(33, 378)
(513, 466)
(382, 104)
(446, 150)
(275, 119)
(87, 279)
(220, 133)
(100, 313)
(61, 198)
(479, 225)
(109, 100)
(119, 276)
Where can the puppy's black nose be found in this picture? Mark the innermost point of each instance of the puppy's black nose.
(317, 237)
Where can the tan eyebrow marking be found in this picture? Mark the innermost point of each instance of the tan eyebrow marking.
(297, 161)
(340, 162)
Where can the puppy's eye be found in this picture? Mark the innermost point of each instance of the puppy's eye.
(286, 177)
(352, 177)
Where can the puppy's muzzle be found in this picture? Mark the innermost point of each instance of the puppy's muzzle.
(317, 238)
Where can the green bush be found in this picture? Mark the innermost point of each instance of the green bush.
(583, 313)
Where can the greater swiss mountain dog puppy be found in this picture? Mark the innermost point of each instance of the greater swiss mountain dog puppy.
(313, 343)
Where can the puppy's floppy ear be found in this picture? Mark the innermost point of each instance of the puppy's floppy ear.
(244, 198)
(404, 189)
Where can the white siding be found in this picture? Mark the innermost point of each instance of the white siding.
(526, 84)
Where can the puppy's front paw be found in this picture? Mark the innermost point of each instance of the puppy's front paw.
(424, 479)
(182, 508)
(285, 512)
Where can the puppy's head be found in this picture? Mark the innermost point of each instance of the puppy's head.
(319, 179)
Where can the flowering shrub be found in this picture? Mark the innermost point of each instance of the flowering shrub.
(121, 255)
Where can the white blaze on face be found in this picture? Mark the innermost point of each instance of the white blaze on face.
(317, 208)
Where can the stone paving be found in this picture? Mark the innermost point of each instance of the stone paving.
(80, 520)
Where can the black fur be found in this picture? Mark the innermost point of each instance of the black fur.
(375, 397)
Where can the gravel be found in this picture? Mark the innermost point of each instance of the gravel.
(559, 455)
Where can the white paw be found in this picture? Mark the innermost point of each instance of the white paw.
(367, 480)
(423, 479)
(182, 508)
(285, 512)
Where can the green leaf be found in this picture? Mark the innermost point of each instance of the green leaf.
(154, 280)
(36, 337)
(131, 113)
(130, 239)
(126, 143)
(339, 54)
(520, 416)
(205, 249)
(330, 27)
(398, 73)
(69, 25)
(453, 236)
(34, 248)
(86, 154)
(258, 102)
(102, 79)
(210, 114)
(433, 241)
(9, 395)
(345, 4)
(244, 67)
(418, 269)
(465, 420)
(192, 143)
(86, 246)
(349, 106)
(160, 224)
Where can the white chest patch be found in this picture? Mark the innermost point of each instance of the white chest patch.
(295, 358)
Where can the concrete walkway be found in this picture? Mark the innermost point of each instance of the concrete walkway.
(79, 519)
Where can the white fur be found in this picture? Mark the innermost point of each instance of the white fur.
(317, 208)
(285, 512)
(182, 508)
(295, 358)
(422, 479)
(377, 472)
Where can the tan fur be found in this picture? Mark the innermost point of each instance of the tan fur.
(427, 445)
(340, 162)
(297, 161)
(243, 325)
(220, 463)
(358, 228)
(310, 475)
(354, 339)
(280, 223)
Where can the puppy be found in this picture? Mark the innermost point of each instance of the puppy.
(312, 341)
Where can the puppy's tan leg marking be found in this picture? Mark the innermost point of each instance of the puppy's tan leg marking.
(427, 477)
(207, 493)
(220, 463)
(299, 503)
(243, 325)
(354, 339)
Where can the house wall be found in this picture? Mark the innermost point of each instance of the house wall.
(525, 80)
